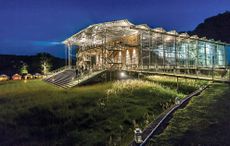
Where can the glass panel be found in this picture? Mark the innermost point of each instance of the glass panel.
(220, 55)
(192, 53)
(201, 54)
(182, 50)
(157, 49)
(169, 44)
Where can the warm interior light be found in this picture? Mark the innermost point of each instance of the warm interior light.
(134, 57)
(127, 57)
(119, 57)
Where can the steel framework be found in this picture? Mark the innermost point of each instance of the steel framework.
(122, 45)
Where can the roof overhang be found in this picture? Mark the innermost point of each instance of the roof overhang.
(98, 33)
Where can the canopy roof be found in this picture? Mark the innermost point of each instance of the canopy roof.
(97, 34)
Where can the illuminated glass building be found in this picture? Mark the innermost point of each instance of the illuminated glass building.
(121, 45)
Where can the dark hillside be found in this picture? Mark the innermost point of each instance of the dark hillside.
(216, 27)
(10, 64)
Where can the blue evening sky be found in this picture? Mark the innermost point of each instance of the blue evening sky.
(31, 26)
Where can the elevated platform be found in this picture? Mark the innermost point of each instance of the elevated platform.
(67, 78)
(188, 76)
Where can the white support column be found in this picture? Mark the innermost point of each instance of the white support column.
(69, 55)
(66, 53)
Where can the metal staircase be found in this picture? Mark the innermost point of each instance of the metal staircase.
(66, 77)
(84, 78)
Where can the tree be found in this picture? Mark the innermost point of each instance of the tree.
(24, 69)
(45, 64)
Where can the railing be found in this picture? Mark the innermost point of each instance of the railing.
(80, 79)
(225, 78)
(56, 71)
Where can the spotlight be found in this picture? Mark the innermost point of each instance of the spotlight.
(122, 75)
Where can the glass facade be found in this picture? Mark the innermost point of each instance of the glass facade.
(181, 51)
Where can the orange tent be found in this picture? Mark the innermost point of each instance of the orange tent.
(16, 77)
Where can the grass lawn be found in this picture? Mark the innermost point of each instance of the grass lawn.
(36, 113)
(204, 122)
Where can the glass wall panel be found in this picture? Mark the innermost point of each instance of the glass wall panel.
(192, 53)
(169, 45)
(182, 51)
(220, 55)
(210, 54)
(201, 54)
(145, 45)
(157, 49)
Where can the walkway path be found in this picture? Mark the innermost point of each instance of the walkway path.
(160, 122)
(205, 121)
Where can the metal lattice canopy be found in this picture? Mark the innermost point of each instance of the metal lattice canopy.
(97, 33)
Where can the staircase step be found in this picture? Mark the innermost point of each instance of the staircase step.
(64, 79)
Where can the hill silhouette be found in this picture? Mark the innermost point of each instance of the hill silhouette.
(10, 64)
(215, 27)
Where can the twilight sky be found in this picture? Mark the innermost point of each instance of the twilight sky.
(31, 26)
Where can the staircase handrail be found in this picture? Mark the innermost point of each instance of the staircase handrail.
(85, 77)
(88, 75)
(58, 69)
(54, 72)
